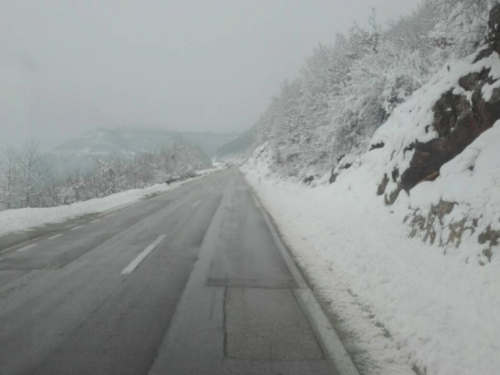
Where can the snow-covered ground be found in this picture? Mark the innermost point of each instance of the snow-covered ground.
(403, 307)
(26, 218)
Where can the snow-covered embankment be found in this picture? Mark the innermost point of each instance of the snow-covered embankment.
(16, 220)
(404, 245)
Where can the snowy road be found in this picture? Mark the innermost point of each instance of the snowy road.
(190, 282)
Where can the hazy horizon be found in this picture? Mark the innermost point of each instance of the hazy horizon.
(69, 67)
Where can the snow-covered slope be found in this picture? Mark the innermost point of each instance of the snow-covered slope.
(404, 243)
(436, 157)
(470, 183)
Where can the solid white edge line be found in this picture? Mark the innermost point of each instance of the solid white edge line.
(257, 204)
(133, 265)
(299, 279)
(27, 247)
(331, 341)
(309, 304)
(197, 203)
(78, 227)
(54, 237)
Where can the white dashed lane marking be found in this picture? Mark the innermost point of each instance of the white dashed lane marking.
(133, 265)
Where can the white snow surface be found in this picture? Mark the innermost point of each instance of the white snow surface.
(17, 220)
(401, 303)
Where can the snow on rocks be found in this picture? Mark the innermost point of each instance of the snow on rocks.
(471, 184)
(444, 132)
(441, 119)
(438, 122)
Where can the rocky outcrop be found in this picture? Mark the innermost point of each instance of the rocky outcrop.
(344, 162)
(426, 226)
(490, 238)
(458, 120)
(458, 123)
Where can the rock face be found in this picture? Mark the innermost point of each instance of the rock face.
(426, 224)
(457, 120)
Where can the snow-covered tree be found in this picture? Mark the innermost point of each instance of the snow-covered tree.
(461, 26)
(9, 177)
(34, 174)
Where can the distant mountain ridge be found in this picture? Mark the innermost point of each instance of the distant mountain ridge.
(238, 148)
(103, 142)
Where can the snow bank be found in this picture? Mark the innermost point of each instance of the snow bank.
(401, 305)
(26, 218)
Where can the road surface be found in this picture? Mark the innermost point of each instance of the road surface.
(188, 282)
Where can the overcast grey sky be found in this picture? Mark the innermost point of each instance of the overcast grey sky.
(67, 66)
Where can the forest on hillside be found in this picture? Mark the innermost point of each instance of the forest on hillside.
(28, 177)
(346, 90)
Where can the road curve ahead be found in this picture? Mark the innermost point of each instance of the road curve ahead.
(192, 281)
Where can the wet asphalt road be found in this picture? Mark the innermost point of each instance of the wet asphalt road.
(188, 282)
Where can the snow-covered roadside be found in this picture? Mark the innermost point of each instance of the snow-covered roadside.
(402, 306)
(26, 218)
